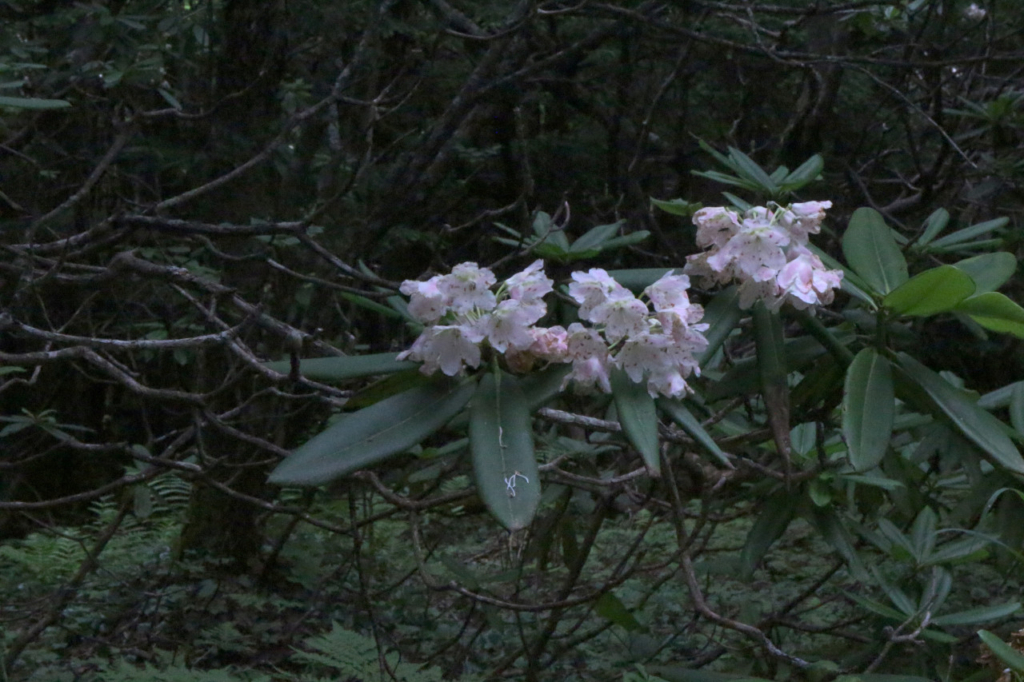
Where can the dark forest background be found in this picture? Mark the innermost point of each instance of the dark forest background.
(189, 190)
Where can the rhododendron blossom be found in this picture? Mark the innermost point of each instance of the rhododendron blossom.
(765, 250)
(463, 316)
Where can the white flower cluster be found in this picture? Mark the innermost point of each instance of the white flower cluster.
(764, 249)
(462, 313)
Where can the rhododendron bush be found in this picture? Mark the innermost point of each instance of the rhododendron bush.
(826, 402)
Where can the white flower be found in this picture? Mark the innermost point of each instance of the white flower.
(591, 289)
(590, 360)
(974, 12)
(468, 287)
(806, 282)
(665, 362)
(550, 343)
(669, 293)
(715, 226)
(508, 325)
(446, 347)
(426, 302)
(530, 285)
(804, 219)
(621, 317)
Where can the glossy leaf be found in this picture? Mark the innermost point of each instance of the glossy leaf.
(748, 169)
(595, 237)
(982, 614)
(373, 434)
(989, 270)
(638, 279)
(980, 427)
(1003, 651)
(1017, 408)
(996, 312)
(639, 418)
(871, 251)
(501, 442)
(677, 411)
(679, 207)
(968, 233)
(345, 367)
(805, 173)
(930, 292)
(33, 103)
(933, 226)
(831, 528)
(851, 282)
(868, 409)
(723, 313)
(771, 367)
(774, 517)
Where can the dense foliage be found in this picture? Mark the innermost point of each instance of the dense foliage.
(207, 213)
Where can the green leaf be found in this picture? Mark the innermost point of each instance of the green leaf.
(370, 304)
(611, 608)
(344, 367)
(638, 279)
(772, 371)
(937, 290)
(677, 673)
(922, 533)
(775, 515)
(871, 251)
(851, 283)
(1017, 408)
(501, 440)
(933, 226)
(980, 427)
(723, 313)
(639, 417)
(748, 169)
(729, 180)
(679, 207)
(805, 173)
(625, 240)
(677, 411)
(595, 237)
(968, 233)
(989, 270)
(11, 370)
(374, 433)
(982, 614)
(33, 103)
(996, 312)
(868, 409)
(540, 387)
(1003, 651)
(830, 527)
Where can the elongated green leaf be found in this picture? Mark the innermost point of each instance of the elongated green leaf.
(595, 237)
(677, 411)
(805, 173)
(868, 409)
(775, 515)
(996, 312)
(882, 677)
(729, 180)
(933, 226)
(982, 614)
(33, 103)
(1017, 408)
(933, 291)
(959, 551)
(723, 313)
(748, 169)
(374, 434)
(980, 427)
(638, 279)
(771, 368)
(1003, 651)
(922, 533)
(344, 367)
(679, 207)
(624, 240)
(828, 524)
(501, 440)
(989, 270)
(370, 304)
(968, 233)
(639, 418)
(540, 387)
(872, 252)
